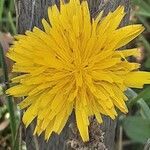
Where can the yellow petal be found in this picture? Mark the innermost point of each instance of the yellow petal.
(124, 35)
(137, 79)
(20, 90)
(30, 114)
(130, 52)
(83, 128)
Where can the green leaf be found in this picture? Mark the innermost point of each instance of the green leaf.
(137, 128)
(130, 93)
(144, 94)
(145, 110)
(132, 96)
(147, 63)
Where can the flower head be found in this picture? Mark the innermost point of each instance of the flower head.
(75, 64)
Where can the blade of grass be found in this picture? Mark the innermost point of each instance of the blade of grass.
(143, 5)
(146, 24)
(143, 13)
(10, 104)
(1, 9)
(6, 19)
(11, 5)
(18, 139)
(145, 42)
(10, 19)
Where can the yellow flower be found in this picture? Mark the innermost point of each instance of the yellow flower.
(75, 65)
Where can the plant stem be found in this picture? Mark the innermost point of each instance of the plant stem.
(10, 104)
